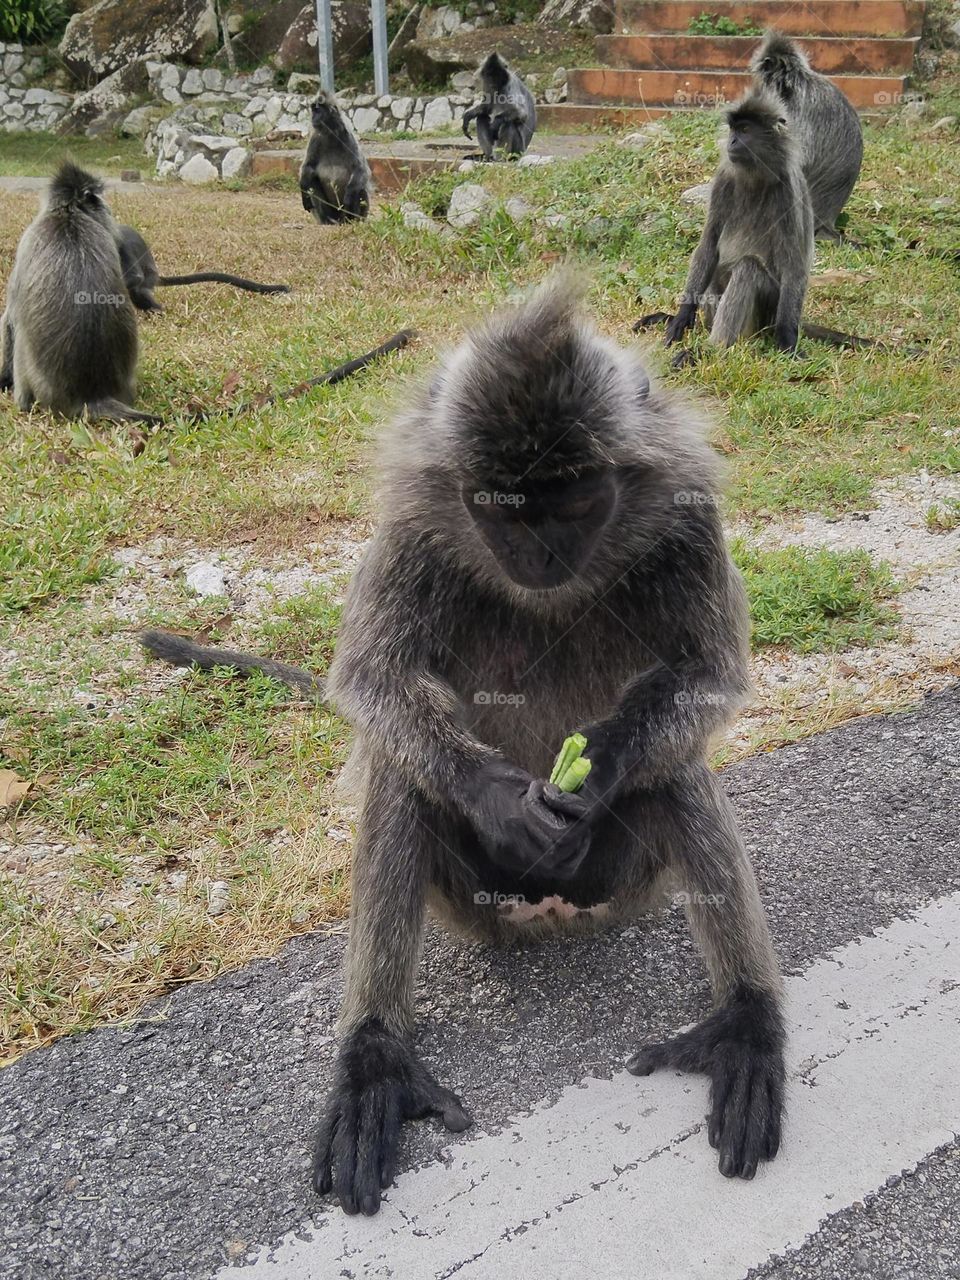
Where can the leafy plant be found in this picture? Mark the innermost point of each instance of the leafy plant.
(31, 21)
(714, 24)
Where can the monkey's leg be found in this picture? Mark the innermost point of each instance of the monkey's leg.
(143, 299)
(511, 139)
(486, 137)
(6, 362)
(740, 1045)
(379, 1081)
(355, 199)
(739, 313)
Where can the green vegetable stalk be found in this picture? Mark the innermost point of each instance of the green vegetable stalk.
(570, 768)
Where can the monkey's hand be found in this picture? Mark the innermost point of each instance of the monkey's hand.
(740, 1047)
(518, 829)
(378, 1083)
(684, 319)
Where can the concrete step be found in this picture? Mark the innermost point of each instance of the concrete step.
(796, 17)
(568, 115)
(827, 54)
(603, 86)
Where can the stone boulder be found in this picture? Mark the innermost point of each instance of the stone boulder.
(103, 107)
(352, 37)
(437, 60)
(582, 15)
(257, 27)
(113, 33)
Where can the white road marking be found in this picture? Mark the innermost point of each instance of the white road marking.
(617, 1177)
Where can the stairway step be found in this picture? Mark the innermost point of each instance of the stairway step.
(796, 17)
(597, 86)
(827, 54)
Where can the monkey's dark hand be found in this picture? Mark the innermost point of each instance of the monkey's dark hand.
(379, 1082)
(519, 831)
(684, 319)
(740, 1047)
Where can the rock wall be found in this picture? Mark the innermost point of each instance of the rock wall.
(23, 107)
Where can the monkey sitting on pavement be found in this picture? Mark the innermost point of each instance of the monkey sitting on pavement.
(334, 178)
(69, 330)
(507, 115)
(548, 527)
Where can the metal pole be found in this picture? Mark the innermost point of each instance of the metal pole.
(325, 44)
(378, 18)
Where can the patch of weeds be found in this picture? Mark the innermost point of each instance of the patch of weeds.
(943, 517)
(816, 601)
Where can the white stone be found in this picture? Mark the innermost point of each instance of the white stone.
(400, 108)
(532, 162)
(437, 114)
(466, 166)
(214, 142)
(554, 220)
(414, 216)
(519, 209)
(165, 168)
(290, 124)
(138, 122)
(170, 75)
(212, 78)
(299, 83)
(239, 125)
(169, 94)
(467, 205)
(364, 99)
(699, 194)
(366, 119)
(236, 163)
(254, 106)
(197, 171)
(206, 579)
(384, 101)
(273, 109)
(34, 96)
(192, 82)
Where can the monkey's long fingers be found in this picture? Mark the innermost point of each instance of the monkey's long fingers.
(651, 321)
(569, 803)
(428, 1097)
(322, 1174)
(343, 1157)
(378, 1132)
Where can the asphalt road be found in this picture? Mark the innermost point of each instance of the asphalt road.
(180, 1146)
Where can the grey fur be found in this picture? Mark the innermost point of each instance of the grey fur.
(181, 652)
(335, 179)
(507, 114)
(826, 127)
(69, 330)
(751, 268)
(645, 648)
(142, 275)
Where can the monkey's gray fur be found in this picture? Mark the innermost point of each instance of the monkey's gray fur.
(142, 276)
(334, 178)
(69, 330)
(507, 115)
(826, 127)
(641, 644)
(182, 652)
(751, 268)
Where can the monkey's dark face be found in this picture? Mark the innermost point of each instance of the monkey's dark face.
(543, 535)
(322, 114)
(757, 144)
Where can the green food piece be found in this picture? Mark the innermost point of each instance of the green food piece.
(575, 776)
(570, 755)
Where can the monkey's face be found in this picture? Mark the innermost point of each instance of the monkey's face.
(757, 144)
(543, 535)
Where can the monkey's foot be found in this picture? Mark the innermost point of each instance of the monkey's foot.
(379, 1083)
(651, 321)
(740, 1047)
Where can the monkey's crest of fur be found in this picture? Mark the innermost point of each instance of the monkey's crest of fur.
(494, 73)
(780, 64)
(72, 188)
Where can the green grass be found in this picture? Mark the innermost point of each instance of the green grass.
(816, 601)
(40, 154)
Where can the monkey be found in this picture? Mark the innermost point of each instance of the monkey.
(751, 268)
(539, 502)
(69, 329)
(826, 127)
(142, 277)
(507, 114)
(334, 178)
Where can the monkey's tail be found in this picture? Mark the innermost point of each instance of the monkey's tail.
(838, 339)
(780, 64)
(181, 652)
(222, 277)
(117, 411)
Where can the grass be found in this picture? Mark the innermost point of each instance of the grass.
(35, 154)
(148, 788)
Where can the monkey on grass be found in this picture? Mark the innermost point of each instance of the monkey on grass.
(507, 115)
(141, 275)
(334, 177)
(548, 526)
(825, 126)
(69, 330)
(749, 273)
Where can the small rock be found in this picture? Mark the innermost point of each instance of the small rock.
(205, 579)
(519, 209)
(192, 82)
(636, 141)
(236, 163)
(437, 114)
(697, 195)
(414, 216)
(129, 175)
(532, 162)
(467, 205)
(466, 166)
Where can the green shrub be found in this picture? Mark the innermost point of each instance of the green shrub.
(31, 21)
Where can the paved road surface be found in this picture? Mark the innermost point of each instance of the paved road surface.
(179, 1147)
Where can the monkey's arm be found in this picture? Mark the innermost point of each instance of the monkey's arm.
(481, 109)
(703, 264)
